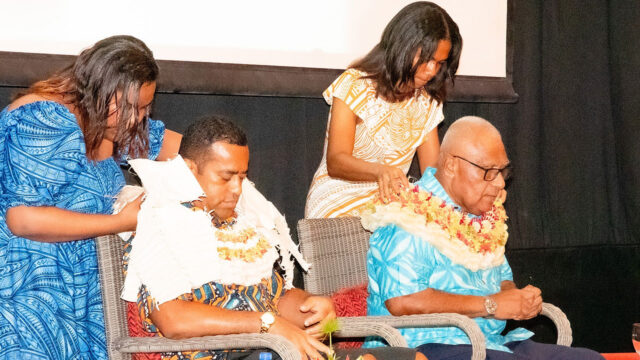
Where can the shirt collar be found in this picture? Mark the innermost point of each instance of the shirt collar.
(429, 183)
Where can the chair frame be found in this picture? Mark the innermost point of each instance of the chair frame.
(337, 249)
(120, 345)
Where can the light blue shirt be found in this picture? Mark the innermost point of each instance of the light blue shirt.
(399, 263)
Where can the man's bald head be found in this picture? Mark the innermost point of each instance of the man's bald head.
(469, 134)
(471, 143)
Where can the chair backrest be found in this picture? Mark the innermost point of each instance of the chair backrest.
(110, 249)
(337, 250)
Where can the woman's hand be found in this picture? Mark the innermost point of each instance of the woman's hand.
(390, 181)
(321, 310)
(128, 216)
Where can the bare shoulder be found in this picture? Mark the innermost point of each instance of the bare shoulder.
(28, 99)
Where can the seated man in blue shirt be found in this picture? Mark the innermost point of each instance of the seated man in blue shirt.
(439, 248)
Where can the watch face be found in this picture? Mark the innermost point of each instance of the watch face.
(490, 305)
(268, 318)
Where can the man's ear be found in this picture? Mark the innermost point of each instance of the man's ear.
(191, 165)
(449, 168)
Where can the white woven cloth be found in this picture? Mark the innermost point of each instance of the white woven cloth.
(176, 249)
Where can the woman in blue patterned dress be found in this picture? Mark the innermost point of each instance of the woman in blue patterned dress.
(61, 145)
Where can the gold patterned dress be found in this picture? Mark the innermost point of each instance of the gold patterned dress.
(386, 133)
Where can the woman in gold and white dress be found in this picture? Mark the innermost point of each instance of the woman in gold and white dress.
(384, 108)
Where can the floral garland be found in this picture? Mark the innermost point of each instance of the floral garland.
(480, 234)
(237, 239)
(242, 236)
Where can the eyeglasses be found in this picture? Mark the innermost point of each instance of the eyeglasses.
(490, 174)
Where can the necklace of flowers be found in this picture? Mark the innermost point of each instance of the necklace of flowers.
(225, 233)
(241, 236)
(481, 234)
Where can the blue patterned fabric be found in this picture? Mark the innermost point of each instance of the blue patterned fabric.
(399, 263)
(50, 301)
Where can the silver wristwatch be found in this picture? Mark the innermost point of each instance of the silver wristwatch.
(490, 305)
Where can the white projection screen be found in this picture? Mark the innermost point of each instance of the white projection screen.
(313, 37)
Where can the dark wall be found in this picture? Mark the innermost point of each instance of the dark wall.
(574, 200)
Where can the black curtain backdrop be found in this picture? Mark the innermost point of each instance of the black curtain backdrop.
(572, 136)
(574, 200)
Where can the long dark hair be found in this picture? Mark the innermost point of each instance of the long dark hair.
(419, 26)
(115, 65)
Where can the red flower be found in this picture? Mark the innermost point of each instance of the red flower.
(462, 238)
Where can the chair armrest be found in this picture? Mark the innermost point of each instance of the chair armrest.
(560, 320)
(366, 326)
(278, 344)
(466, 324)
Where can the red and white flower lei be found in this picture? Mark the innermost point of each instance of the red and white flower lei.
(475, 242)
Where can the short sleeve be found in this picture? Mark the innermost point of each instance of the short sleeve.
(42, 153)
(353, 89)
(399, 263)
(505, 271)
(433, 114)
(156, 137)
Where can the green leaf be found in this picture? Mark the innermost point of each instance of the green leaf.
(331, 326)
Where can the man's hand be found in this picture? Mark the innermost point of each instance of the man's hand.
(518, 304)
(534, 306)
(306, 344)
(320, 310)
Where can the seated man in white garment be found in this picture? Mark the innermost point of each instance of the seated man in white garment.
(205, 260)
(439, 248)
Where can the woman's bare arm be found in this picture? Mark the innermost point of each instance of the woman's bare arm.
(170, 145)
(340, 160)
(429, 150)
(52, 224)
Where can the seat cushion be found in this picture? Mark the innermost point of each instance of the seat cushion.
(137, 330)
(350, 302)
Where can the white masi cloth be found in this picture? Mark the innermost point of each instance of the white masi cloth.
(175, 248)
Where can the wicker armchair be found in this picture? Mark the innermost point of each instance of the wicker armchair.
(120, 345)
(337, 250)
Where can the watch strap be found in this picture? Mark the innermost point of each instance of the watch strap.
(266, 320)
